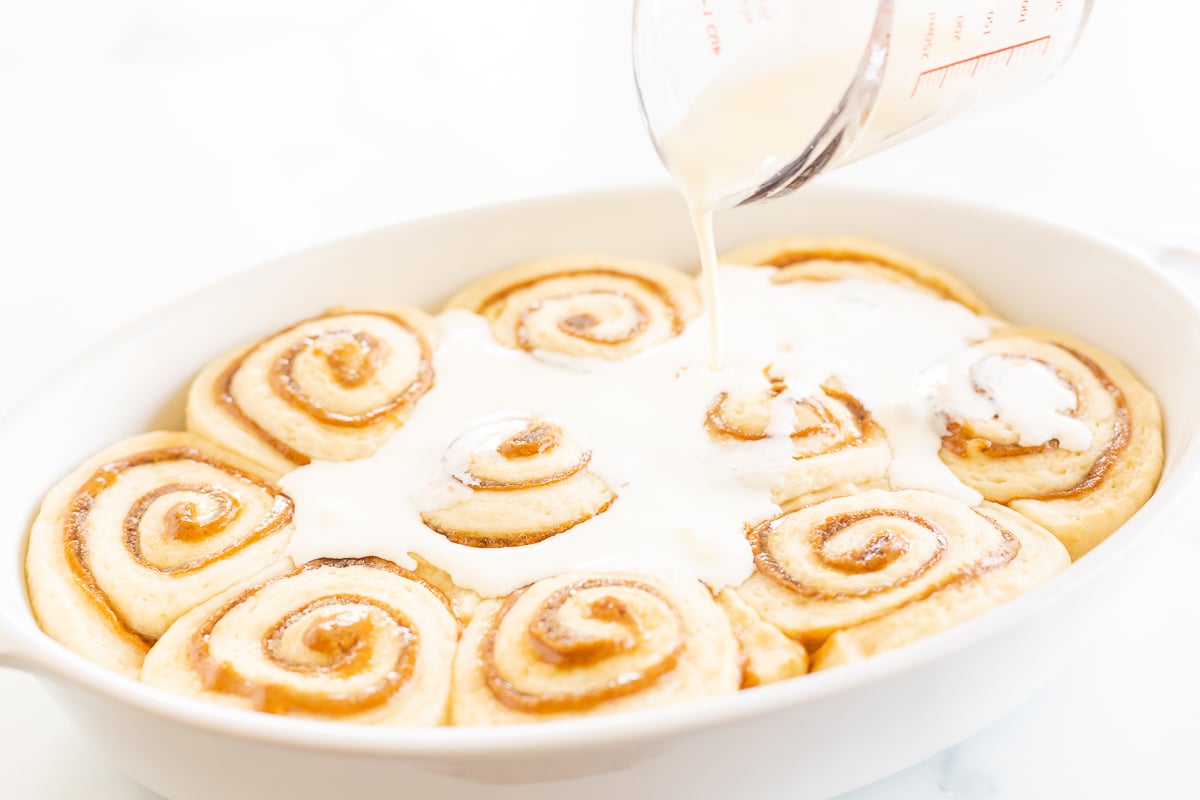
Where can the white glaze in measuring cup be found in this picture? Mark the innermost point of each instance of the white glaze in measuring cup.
(748, 99)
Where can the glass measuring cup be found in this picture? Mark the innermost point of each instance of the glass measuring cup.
(749, 99)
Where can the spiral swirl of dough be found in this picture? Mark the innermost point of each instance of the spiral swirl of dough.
(839, 448)
(355, 639)
(330, 388)
(1080, 496)
(143, 532)
(815, 259)
(847, 562)
(516, 481)
(590, 306)
(593, 643)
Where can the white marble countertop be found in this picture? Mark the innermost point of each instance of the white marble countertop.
(150, 148)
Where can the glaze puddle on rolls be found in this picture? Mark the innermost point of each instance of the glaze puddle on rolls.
(543, 502)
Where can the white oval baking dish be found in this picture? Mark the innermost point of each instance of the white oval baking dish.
(811, 737)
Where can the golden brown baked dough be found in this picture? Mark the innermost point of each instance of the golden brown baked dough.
(517, 481)
(330, 388)
(810, 258)
(827, 569)
(839, 448)
(1039, 558)
(583, 305)
(463, 602)
(1080, 497)
(593, 643)
(142, 532)
(768, 655)
(356, 640)
(172, 539)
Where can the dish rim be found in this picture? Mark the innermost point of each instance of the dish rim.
(24, 646)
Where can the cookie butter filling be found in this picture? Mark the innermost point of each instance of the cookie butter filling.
(651, 489)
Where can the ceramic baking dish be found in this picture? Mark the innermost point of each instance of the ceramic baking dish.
(810, 737)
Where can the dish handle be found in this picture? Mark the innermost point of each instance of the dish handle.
(1180, 259)
(12, 656)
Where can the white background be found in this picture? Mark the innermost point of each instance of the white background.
(147, 148)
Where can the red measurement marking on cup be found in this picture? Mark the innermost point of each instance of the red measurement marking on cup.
(712, 34)
(969, 66)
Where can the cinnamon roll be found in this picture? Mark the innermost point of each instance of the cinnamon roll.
(141, 533)
(516, 481)
(587, 305)
(767, 655)
(463, 602)
(808, 258)
(354, 640)
(839, 448)
(855, 575)
(331, 388)
(593, 643)
(1080, 490)
(167, 556)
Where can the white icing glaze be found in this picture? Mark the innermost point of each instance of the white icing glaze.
(702, 223)
(747, 125)
(683, 499)
(739, 131)
(1027, 396)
